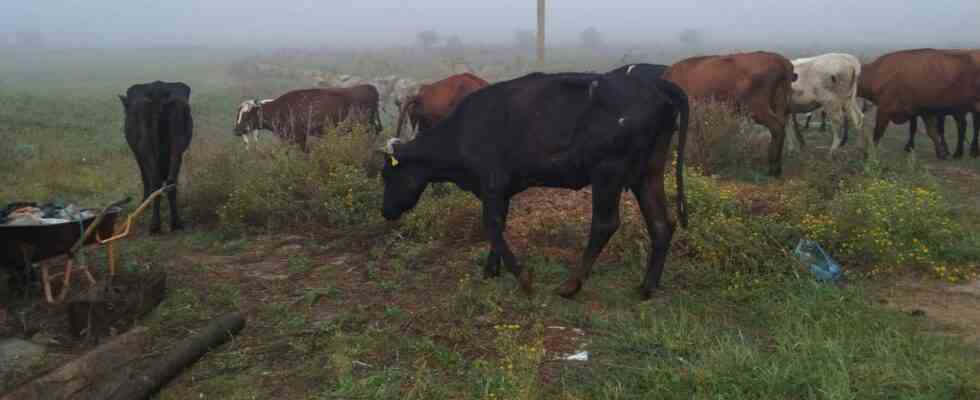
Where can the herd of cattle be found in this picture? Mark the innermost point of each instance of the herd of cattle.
(611, 130)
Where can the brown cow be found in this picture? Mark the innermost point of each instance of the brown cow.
(363, 99)
(960, 119)
(926, 82)
(758, 83)
(295, 115)
(435, 101)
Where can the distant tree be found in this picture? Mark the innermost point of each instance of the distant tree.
(454, 47)
(592, 39)
(428, 38)
(691, 37)
(29, 39)
(524, 40)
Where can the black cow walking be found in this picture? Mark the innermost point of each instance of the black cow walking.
(552, 130)
(159, 128)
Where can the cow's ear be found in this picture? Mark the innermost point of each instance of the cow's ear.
(124, 100)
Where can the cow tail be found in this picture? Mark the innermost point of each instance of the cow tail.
(410, 102)
(681, 102)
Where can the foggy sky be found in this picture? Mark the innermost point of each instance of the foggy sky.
(98, 23)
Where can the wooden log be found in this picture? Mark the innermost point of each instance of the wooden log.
(144, 384)
(79, 378)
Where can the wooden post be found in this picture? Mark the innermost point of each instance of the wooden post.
(540, 31)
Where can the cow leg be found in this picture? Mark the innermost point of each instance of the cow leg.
(913, 129)
(823, 121)
(881, 123)
(932, 128)
(493, 222)
(777, 130)
(175, 162)
(492, 267)
(796, 123)
(652, 199)
(605, 222)
(837, 122)
(155, 221)
(960, 134)
(799, 136)
(975, 147)
(301, 141)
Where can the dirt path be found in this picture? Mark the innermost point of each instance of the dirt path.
(953, 309)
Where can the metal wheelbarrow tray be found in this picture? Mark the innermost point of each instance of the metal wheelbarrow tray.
(22, 246)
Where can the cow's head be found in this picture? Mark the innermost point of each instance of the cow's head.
(404, 181)
(247, 120)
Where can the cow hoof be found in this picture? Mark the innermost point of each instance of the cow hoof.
(489, 273)
(645, 292)
(569, 288)
(155, 230)
(525, 281)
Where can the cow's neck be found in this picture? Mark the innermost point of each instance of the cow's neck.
(439, 152)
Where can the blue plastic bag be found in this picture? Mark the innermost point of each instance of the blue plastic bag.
(821, 265)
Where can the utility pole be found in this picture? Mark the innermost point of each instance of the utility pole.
(540, 32)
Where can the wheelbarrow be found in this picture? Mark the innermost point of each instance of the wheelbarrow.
(25, 245)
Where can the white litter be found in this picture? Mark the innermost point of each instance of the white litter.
(580, 356)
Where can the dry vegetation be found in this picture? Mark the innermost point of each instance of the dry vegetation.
(344, 305)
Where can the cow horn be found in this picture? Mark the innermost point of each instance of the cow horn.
(389, 147)
(630, 69)
(622, 122)
(592, 87)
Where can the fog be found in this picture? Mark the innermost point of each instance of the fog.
(370, 23)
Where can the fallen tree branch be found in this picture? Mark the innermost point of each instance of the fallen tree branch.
(145, 384)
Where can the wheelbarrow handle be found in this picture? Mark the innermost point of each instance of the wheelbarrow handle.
(119, 203)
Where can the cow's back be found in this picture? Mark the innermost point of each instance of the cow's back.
(543, 127)
(735, 77)
(919, 79)
(160, 89)
(299, 108)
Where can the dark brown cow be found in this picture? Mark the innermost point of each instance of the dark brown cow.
(926, 82)
(435, 101)
(363, 99)
(296, 115)
(758, 83)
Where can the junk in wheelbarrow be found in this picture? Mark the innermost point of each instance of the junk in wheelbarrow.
(21, 246)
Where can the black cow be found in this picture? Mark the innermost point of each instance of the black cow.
(552, 130)
(159, 128)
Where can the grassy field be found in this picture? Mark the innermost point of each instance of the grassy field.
(343, 305)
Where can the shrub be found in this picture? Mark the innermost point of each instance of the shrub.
(277, 186)
(719, 137)
(885, 222)
(723, 234)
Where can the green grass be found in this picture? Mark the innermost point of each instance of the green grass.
(791, 338)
